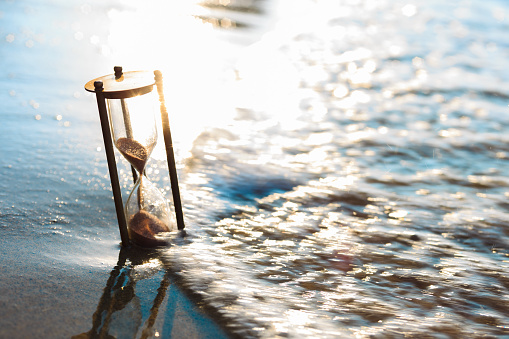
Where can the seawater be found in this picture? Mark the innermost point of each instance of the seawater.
(343, 164)
(361, 189)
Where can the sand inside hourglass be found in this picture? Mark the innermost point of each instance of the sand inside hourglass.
(134, 152)
(143, 226)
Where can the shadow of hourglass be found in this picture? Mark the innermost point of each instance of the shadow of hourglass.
(141, 300)
(119, 312)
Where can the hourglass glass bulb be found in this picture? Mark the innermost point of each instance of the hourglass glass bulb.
(128, 102)
(135, 134)
(149, 216)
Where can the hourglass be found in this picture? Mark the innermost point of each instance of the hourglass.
(127, 103)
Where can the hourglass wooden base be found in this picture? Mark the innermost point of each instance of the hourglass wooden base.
(143, 225)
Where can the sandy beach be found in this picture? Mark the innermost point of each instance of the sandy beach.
(343, 168)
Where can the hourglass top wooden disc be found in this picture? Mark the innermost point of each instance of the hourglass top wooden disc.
(128, 85)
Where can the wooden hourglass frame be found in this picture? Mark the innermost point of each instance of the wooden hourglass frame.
(118, 88)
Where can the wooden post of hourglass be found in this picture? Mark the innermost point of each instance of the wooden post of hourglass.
(170, 157)
(112, 165)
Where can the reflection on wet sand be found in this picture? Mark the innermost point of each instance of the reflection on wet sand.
(141, 300)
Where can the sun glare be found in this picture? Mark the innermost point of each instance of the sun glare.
(168, 36)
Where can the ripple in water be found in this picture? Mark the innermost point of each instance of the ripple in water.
(385, 212)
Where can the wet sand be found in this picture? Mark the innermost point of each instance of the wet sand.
(51, 299)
